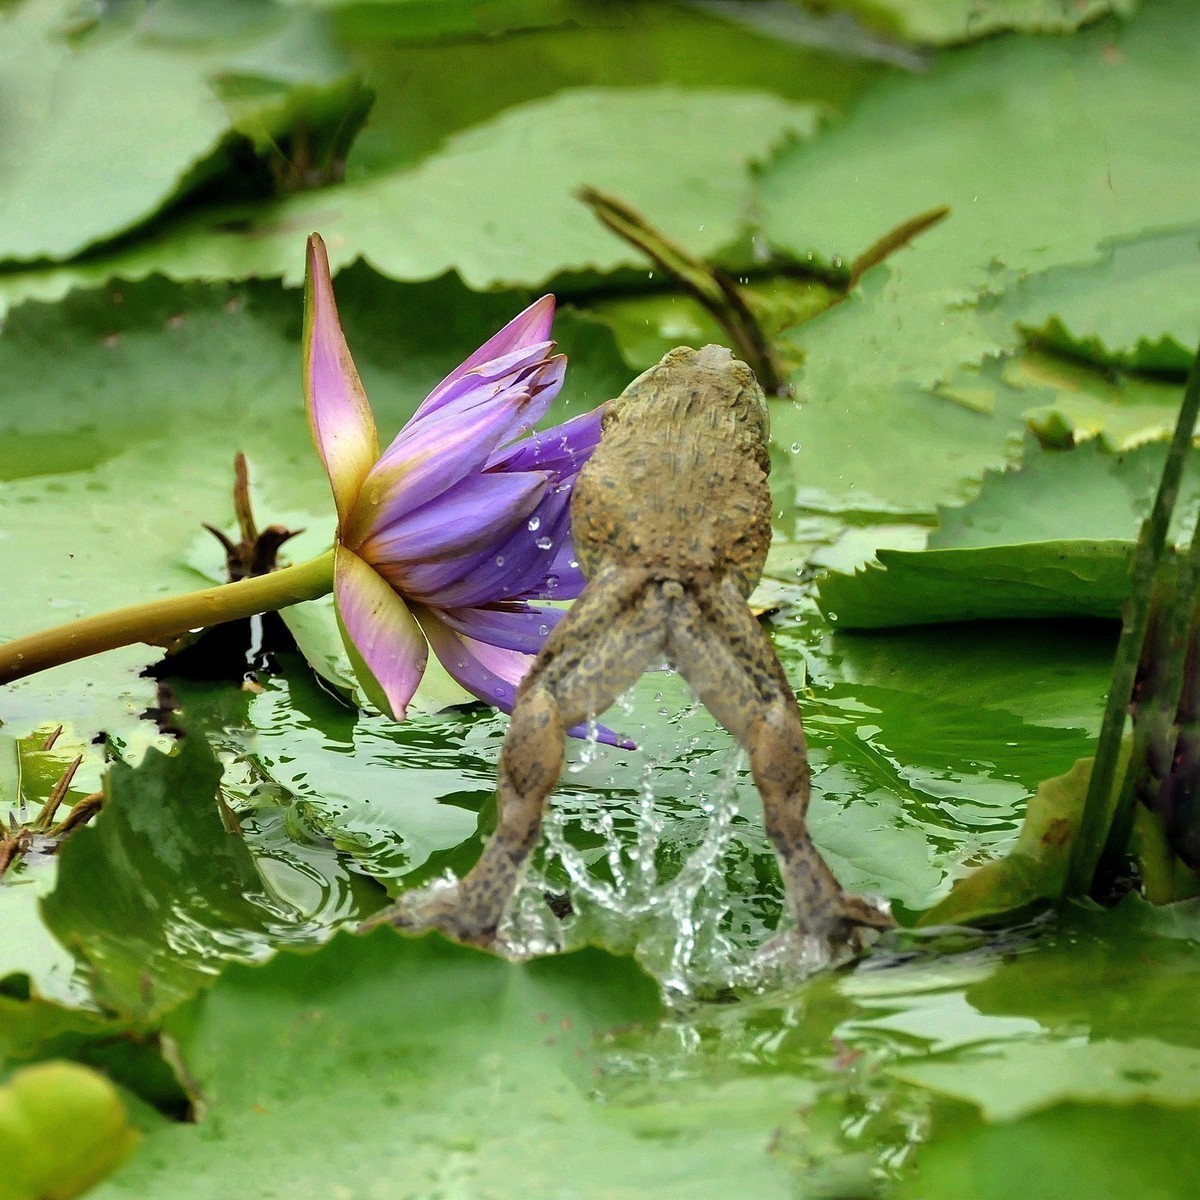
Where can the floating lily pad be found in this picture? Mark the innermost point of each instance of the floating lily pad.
(941, 21)
(484, 1071)
(1051, 539)
(681, 155)
(971, 134)
(1138, 308)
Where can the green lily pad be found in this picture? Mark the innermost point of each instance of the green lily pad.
(1024, 1077)
(28, 949)
(1089, 1151)
(1077, 578)
(970, 134)
(1138, 308)
(71, 98)
(62, 1129)
(579, 44)
(681, 155)
(483, 1068)
(941, 21)
(1035, 870)
(1051, 539)
(174, 876)
(1074, 404)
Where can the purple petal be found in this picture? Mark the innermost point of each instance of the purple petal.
(445, 453)
(490, 673)
(538, 381)
(382, 637)
(519, 627)
(505, 569)
(525, 329)
(484, 381)
(341, 421)
(471, 516)
(560, 451)
(564, 579)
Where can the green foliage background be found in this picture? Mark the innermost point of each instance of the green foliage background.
(975, 431)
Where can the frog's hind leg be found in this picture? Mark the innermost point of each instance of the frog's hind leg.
(726, 657)
(608, 638)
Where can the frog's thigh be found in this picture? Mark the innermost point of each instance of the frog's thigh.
(720, 649)
(603, 651)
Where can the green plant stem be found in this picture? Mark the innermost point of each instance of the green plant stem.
(1100, 804)
(709, 286)
(161, 620)
(1159, 687)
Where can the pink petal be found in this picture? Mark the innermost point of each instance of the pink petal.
(490, 673)
(525, 329)
(485, 671)
(382, 637)
(341, 421)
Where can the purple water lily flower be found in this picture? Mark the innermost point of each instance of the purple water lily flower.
(446, 537)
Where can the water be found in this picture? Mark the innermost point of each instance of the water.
(623, 894)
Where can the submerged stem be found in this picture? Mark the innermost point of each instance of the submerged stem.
(160, 620)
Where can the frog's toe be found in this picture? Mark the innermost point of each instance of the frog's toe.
(835, 933)
(438, 907)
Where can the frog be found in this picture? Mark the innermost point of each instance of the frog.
(671, 522)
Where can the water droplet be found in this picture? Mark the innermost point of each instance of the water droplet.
(534, 523)
(833, 616)
(544, 543)
(543, 630)
(499, 560)
(795, 447)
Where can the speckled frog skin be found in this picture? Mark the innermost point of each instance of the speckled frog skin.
(672, 520)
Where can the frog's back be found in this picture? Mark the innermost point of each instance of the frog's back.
(678, 484)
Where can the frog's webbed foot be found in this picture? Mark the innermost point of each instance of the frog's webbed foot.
(725, 655)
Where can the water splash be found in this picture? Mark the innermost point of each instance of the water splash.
(621, 898)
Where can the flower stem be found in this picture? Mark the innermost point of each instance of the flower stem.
(160, 620)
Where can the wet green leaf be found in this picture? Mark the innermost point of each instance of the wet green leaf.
(970, 134)
(1025, 1077)
(671, 151)
(1084, 1152)
(1138, 308)
(1071, 404)
(158, 892)
(1051, 539)
(1078, 578)
(483, 1070)
(74, 99)
(62, 1129)
(1035, 870)
(27, 948)
(961, 20)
